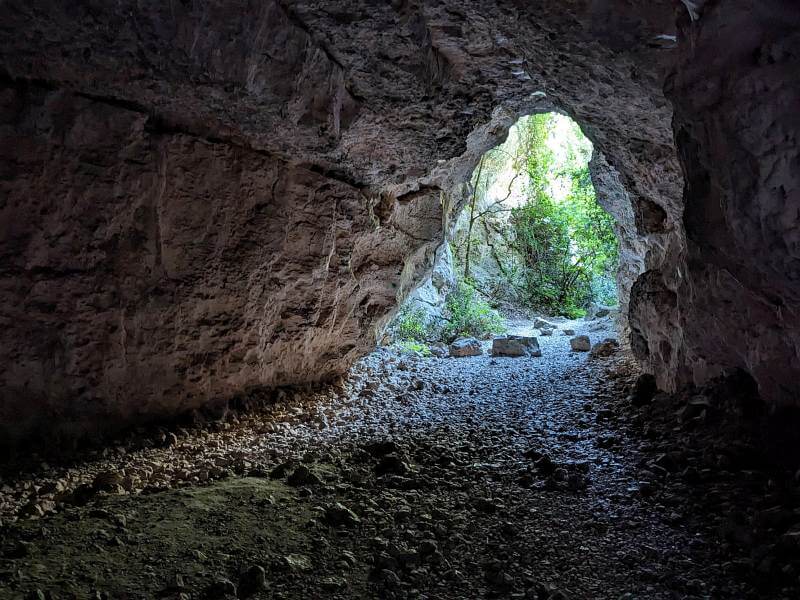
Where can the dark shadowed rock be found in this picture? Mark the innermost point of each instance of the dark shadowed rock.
(643, 390)
(580, 343)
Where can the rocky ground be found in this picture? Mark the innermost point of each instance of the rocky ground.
(416, 477)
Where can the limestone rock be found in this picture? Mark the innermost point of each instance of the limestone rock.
(539, 323)
(515, 346)
(189, 223)
(740, 280)
(605, 348)
(580, 343)
(465, 347)
(339, 515)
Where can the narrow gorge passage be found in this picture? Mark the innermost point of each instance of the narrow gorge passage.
(415, 478)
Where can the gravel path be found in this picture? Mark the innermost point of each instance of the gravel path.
(414, 478)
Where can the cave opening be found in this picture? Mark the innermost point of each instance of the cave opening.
(529, 246)
(210, 210)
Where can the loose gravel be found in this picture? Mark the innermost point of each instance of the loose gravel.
(414, 477)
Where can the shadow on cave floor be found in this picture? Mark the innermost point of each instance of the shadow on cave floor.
(477, 477)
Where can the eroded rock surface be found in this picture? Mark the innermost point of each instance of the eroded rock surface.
(202, 199)
(737, 128)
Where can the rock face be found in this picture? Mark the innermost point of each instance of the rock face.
(431, 295)
(200, 199)
(738, 134)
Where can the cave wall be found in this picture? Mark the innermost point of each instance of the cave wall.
(201, 198)
(148, 271)
(737, 125)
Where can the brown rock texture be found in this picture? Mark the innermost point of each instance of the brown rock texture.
(201, 198)
(144, 266)
(737, 127)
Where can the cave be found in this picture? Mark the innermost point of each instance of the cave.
(210, 212)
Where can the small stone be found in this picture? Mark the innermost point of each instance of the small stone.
(298, 563)
(495, 575)
(666, 462)
(281, 470)
(381, 448)
(485, 505)
(428, 547)
(349, 558)
(532, 454)
(334, 583)
(339, 515)
(221, 589)
(568, 332)
(302, 475)
(604, 414)
(390, 579)
(391, 463)
(580, 343)
(696, 408)
(107, 481)
(646, 489)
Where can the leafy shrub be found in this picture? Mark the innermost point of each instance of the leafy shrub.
(414, 347)
(468, 314)
(552, 248)
(411, 324)
(568, 250)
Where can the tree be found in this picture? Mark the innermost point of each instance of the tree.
(557, 250)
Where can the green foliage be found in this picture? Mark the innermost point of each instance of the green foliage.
(410, 324)
(554, 247)
(468, 314)
(411, 346)
(568, 250)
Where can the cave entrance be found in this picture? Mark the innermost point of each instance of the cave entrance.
(532, 235)
(530, 244)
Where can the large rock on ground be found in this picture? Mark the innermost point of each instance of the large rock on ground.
(516, 346)
(580, 343)
(465, 347)
(605, 348)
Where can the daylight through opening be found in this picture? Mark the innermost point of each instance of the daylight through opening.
(530, 241)
(532, 235)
